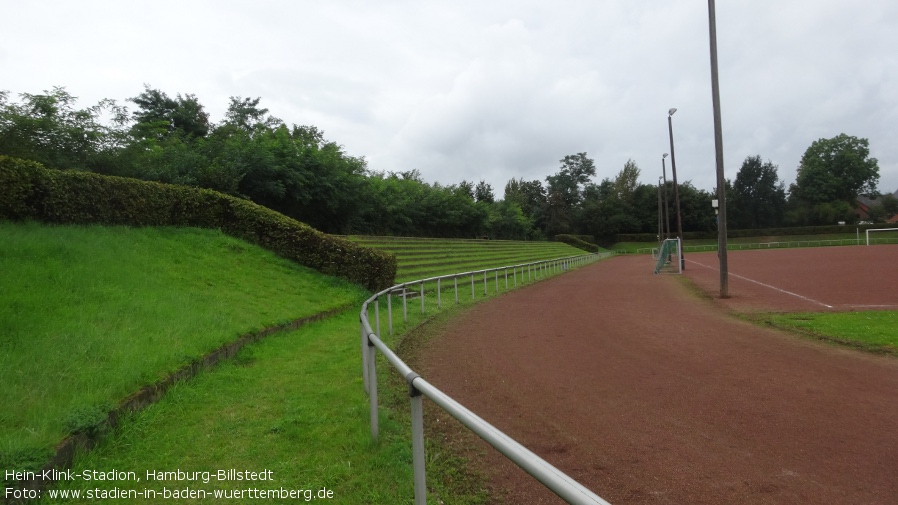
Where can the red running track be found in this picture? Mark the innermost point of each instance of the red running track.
(647, 393)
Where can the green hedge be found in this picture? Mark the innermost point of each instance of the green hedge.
(584, 242)
(30, 191)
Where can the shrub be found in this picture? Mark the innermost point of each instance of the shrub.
(31, 191)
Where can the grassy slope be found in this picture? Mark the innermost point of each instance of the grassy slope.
(293, 404)
(122, 306)
(90, 314)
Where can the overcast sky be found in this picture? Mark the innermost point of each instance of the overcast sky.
(493, 90)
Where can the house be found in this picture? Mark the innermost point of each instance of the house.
(863, 204)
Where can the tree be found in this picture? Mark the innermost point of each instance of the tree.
(626, 182)
(159, 116)
(836, 169)
(530, 196)
(565, 192)
(695, 208)
(49, 129)
(484, 192)
(568, 182)
(466, 189)
(758, 196)
(245, 113)
(508, 222)
(885, 208)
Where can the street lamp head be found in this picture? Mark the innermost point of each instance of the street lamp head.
(671, 111)
(664, 156)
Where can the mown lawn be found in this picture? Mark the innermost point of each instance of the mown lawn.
(293, 404)
(88, 315)
(91, 314)
(871, 330)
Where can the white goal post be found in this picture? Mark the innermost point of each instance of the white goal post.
(867, 233)
(669, 255)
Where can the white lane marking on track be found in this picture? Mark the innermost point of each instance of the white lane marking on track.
(766, 285)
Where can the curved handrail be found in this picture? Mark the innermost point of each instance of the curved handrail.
(554, 479)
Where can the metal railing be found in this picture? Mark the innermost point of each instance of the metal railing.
(554, 479)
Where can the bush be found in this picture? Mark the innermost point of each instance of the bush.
(31, 191)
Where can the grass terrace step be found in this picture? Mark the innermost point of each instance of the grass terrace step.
(425, 257)
(91, 314)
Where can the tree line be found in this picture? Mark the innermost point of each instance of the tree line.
(295, 170)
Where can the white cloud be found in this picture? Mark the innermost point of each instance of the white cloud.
(493, 90)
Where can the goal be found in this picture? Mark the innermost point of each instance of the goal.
(883, 236)
(668, 259)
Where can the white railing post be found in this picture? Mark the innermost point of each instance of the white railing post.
(364, 354)
(456, 289)
(439, 294)
(418, 455)
(390, 310)
(422, 297)
(372, 388)
(377, 315)
(404, 303)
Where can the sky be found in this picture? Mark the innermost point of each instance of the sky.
(493, 90)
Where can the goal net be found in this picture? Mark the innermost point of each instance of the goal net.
(668, 259)
(882, 236)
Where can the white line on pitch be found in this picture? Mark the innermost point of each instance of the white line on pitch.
(767, 285)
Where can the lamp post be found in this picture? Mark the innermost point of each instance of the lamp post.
(666, 216)
(673, 169)
(660, 218)
(718, 147)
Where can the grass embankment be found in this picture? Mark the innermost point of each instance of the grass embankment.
(421, 257)
(292, 404)
(88, 315)
(93, 313)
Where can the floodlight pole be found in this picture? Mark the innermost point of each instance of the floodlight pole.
(718, 147)
(660, 218)
(666, 212)
(673, 169)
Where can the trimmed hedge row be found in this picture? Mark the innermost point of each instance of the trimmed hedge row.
(30, 191)
(584, 242)
(773, 232)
